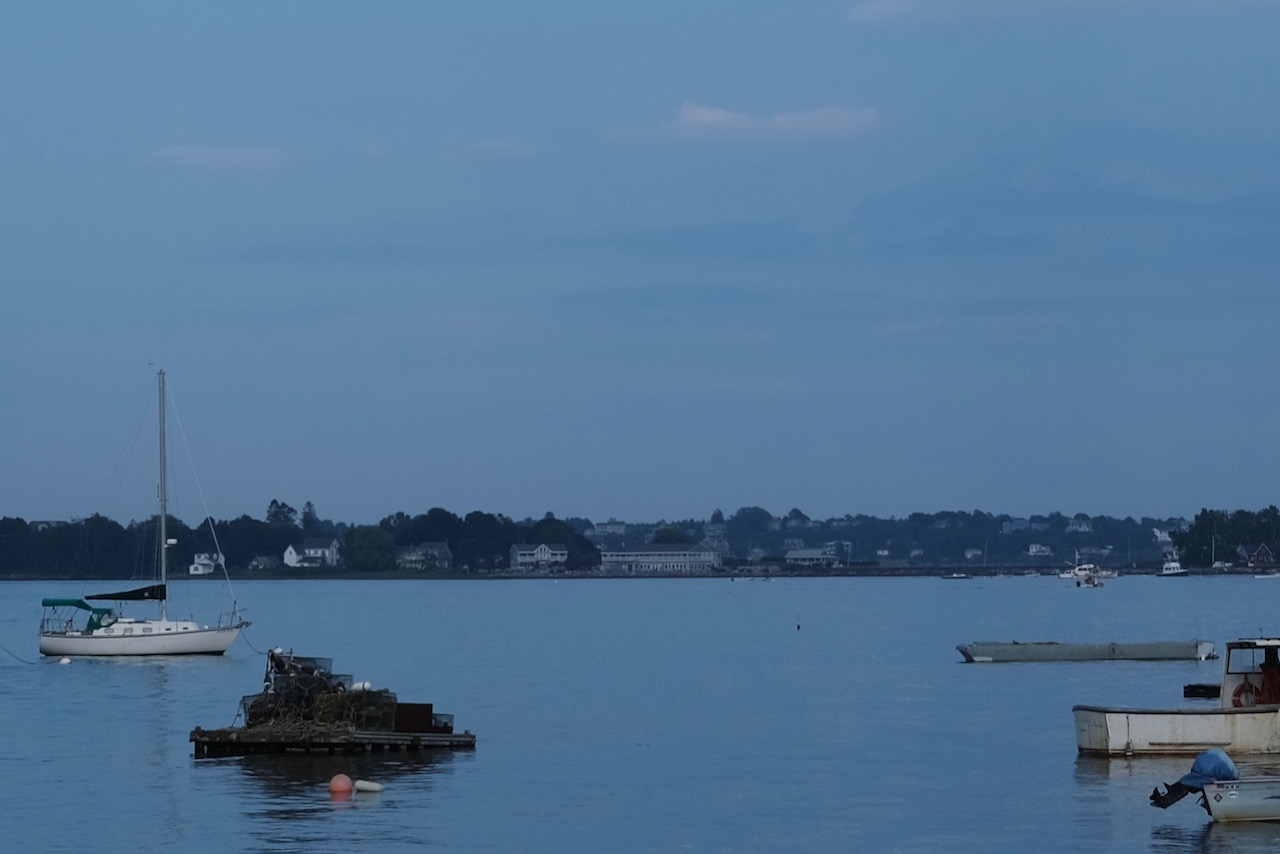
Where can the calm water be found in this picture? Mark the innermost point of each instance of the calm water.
(635, 716)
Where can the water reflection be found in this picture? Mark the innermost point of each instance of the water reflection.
(295, 786)
(1144, 771)
(1214, 837)
(286, 804)
(286, 776)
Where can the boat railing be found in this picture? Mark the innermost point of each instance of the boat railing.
(231, 619)
(56, 623)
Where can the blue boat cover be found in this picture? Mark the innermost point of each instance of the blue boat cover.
(1213, 764)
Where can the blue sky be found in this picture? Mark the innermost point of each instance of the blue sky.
(645, 260)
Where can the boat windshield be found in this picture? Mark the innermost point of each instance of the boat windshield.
(1246, 659)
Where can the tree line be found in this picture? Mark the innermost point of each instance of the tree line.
(98, 547)
(1215, 535)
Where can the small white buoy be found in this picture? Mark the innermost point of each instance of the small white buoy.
(64, 660)
(362, 686)
(366, 786)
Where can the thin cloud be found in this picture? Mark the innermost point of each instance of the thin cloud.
(502, 149)
(221, 159)
(876, 11)
(823, 123)
(885, 11)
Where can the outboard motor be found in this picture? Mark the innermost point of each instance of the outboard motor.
(1211, 765)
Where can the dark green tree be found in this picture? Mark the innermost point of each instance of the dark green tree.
(670, 535)
(369, 548)
(310, 519)
(279, 513)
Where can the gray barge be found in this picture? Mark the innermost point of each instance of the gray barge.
(1003, 651)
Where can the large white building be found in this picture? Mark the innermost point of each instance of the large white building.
(660, 559)
(535, 556)
(812, 557)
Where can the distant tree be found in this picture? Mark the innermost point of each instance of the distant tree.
(310, 521)
(582, 552)
(16, 558)
(751, 520)
(369, 548)
(439, 526)
(671, 534)
(579, 524)
(279, 513)
(483, 541)
(717, 518)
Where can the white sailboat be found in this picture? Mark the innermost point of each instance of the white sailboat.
(75, 627)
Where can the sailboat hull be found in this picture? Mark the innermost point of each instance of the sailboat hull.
(143, 637)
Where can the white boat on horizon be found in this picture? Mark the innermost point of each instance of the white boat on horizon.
(1173, 569)
(74, 627)
(1087, 574)
(1241, 722)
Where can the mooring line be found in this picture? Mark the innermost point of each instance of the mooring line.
(19, 658)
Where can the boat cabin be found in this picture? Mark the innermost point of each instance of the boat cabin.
(1251, 673)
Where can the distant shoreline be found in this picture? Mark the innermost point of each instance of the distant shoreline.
(745, 574)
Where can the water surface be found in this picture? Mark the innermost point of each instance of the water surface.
(636, 715)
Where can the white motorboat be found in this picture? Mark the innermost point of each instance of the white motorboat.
(1172, 569)
(1246, 719)
(1246, 799)
(73, 627)
(1224, 794)
(1087, 574)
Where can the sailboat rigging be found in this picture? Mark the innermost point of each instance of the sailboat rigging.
(75, 627)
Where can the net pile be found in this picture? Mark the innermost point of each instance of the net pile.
(303, 694)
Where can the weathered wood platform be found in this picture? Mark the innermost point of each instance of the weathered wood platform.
(239, 741)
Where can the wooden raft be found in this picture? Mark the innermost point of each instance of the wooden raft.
(240, 741)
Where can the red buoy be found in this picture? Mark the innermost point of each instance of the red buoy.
(340, 785)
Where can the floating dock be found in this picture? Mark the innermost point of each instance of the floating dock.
(1003, 651)
(241, 741)
(305, 708)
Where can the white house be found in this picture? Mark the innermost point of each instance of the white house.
(424, 556)
(314, 552)
(204, 564)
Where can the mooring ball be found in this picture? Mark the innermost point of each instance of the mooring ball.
(340, 783)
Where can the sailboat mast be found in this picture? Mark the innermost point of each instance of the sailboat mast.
(164, 503)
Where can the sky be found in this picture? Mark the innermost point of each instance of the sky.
(642, 260)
